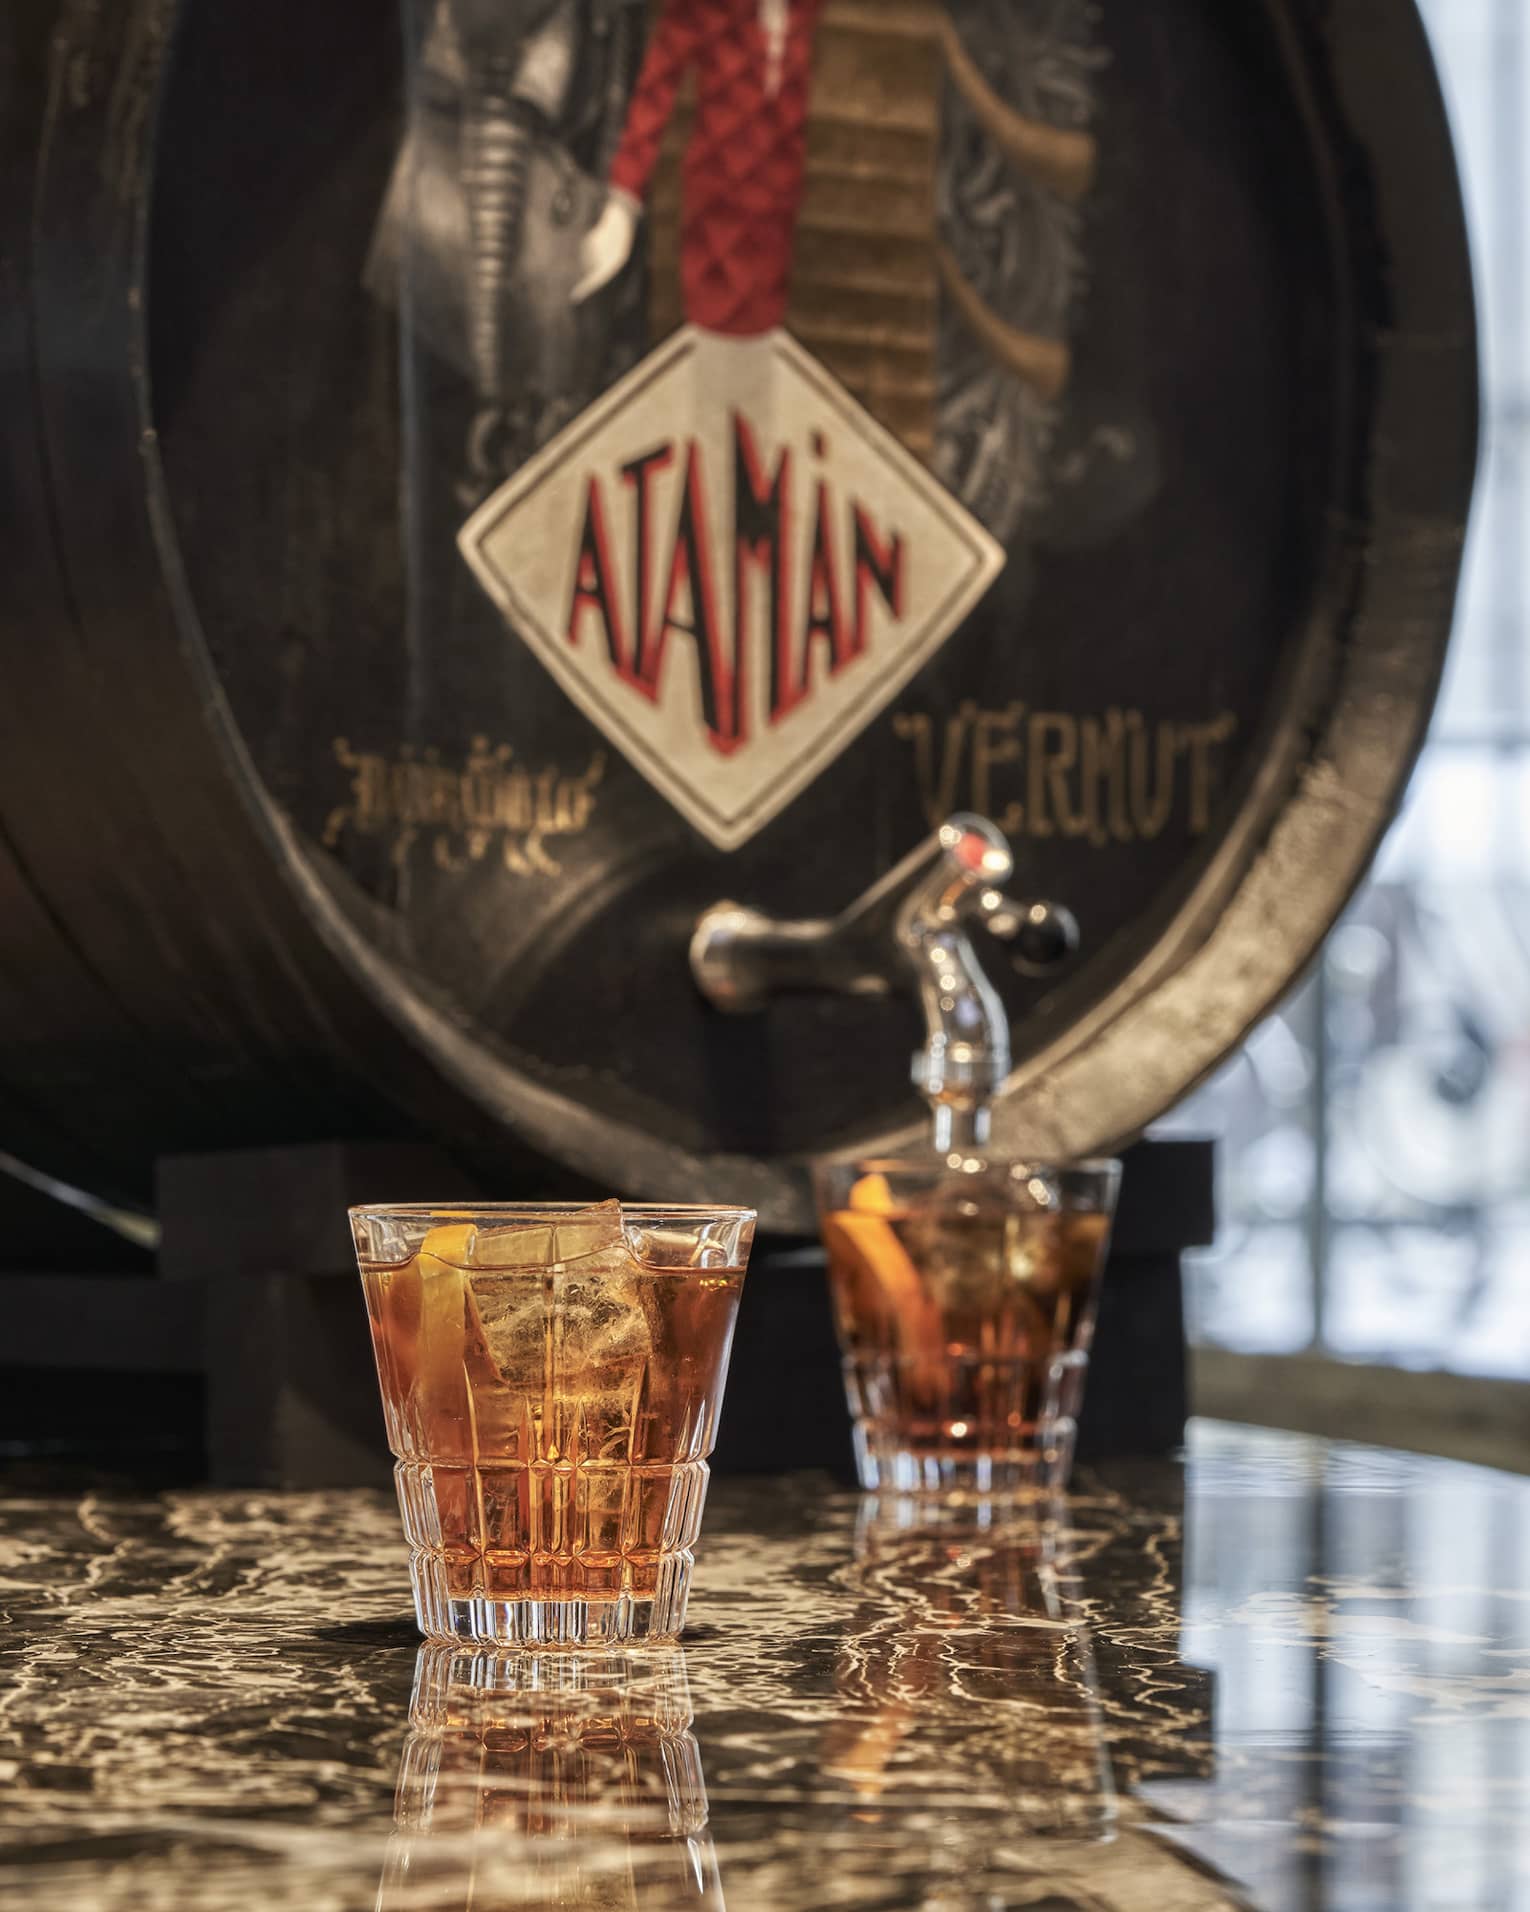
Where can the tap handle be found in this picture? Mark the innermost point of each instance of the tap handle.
(741, 957)
(908, 931)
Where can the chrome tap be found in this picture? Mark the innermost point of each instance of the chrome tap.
(909, 931)
(965, 1057)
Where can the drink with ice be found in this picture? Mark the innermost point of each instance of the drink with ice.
(551, 1379)
(964, 1296)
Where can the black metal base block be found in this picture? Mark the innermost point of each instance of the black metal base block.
(291, 1388)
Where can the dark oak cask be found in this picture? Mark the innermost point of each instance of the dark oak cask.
(1062, 412)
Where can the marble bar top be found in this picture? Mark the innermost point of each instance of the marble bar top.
(1286, 1674)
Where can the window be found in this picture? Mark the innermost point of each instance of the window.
(1375, 1176)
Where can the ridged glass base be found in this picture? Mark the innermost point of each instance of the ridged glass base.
(1028, 1473)
(983, 1430)
(511, 1555)
(552, 1621)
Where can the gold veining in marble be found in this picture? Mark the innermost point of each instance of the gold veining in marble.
(1290, 1675)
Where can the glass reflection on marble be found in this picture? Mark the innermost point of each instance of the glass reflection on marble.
(550, 1780)
(968, 1671)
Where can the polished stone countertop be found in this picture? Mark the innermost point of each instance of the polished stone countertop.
(1286, 1674)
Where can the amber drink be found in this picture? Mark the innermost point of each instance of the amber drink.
(964, 1296)
(551, 1378)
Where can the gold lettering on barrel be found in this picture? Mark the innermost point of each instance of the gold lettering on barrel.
(1112, 776)
(489, 802)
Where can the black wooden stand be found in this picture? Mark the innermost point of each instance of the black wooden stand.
(253, 1326)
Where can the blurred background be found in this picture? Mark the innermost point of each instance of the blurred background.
(1375, 1164)
(1371, 1273)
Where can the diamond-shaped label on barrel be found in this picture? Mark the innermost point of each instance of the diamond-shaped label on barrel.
(731, 568)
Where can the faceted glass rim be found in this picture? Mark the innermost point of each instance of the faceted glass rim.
(1089, 1165)
(1105, 1168)
(1087, 1186)
(649, 1212)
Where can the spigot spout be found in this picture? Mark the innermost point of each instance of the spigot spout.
(965, 1058)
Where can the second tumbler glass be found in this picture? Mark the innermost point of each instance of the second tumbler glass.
(964, 1295)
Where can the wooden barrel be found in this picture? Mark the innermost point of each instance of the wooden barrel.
(400, 653)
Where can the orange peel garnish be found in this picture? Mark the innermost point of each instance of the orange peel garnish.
(873, 1195)
(870, 1242)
